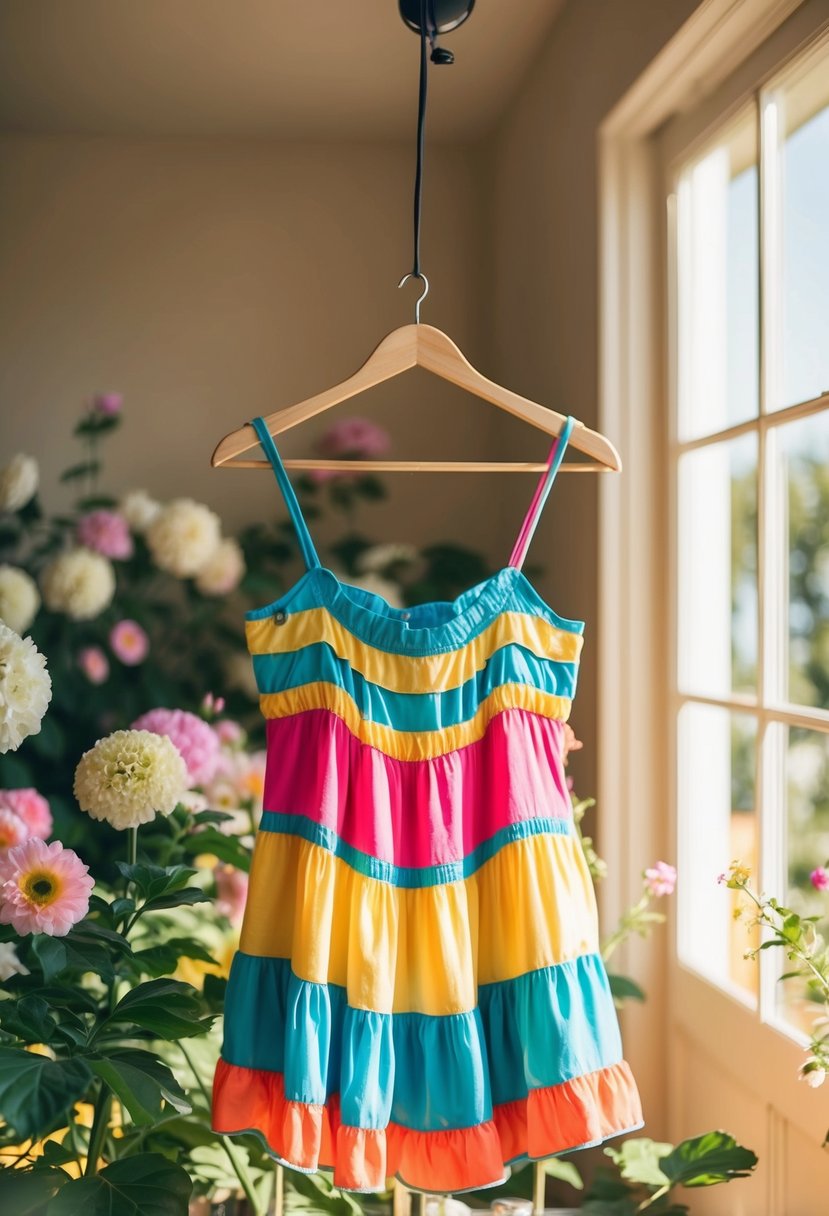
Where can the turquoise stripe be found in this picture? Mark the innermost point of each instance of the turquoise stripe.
(510, 664)
(410, 876)
(423, 1072)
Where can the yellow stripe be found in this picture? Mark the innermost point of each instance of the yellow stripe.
(411, 744)
(423, 949)
(413, 673)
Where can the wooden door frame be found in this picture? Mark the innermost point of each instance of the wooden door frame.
(634, 744)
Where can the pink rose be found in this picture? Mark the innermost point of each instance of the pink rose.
(108, 404)
(355, 437)
(819, 879)
(105, 532)
(30, 807)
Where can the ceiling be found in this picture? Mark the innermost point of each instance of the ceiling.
(284, 68)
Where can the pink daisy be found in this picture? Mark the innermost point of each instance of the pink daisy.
(31, 807)
(194, 738)
(13, 830)
(94, 664)
(44, 888)
(129, 642)
(660, 879)
(105, 532)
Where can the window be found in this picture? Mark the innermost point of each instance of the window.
(750, 265)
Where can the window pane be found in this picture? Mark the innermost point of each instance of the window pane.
(717, 281)
(717, 557)
(798, 115)
(807, 822)
(799, 468)
(717, 824)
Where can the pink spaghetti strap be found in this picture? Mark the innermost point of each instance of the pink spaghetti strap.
(525, 534)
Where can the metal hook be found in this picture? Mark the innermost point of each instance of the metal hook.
(417, 275)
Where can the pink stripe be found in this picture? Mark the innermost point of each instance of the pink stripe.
(519, 549)
(416, 812)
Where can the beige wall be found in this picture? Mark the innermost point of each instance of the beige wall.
(214, 280)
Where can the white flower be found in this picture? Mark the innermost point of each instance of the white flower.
(139, 510)
(25, 689)
(813, 1073)
(10, 964)
(19, 480)
(129, 776)
(183, 537)
(79, 583)
(387, 590)
(19, 598)
(223, 570)
(380, 557)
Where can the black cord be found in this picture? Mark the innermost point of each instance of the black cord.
(421, 122)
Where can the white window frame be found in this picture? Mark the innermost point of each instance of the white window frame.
(637, 520)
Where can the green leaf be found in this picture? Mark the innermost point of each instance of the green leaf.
(163, 958)
(86, 468)
(226, 848)
(97, 424)
(156, 880)
(29, 1018)
(167, 1007)
(213, 992)
(211, 817)
(175, 899)
(144, 1185)
(142, 1084)
(640, 1160)
(73, 952)
(26, 1192)
(565, 1171)
(97, 502)
(623, 988)
(707, 1160)
(35, 1090)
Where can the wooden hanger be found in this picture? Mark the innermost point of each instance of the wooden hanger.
(424, 346)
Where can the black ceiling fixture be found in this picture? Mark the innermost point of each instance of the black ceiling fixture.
(441, 17)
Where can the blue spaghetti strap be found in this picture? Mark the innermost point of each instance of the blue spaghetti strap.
(309, 553)
(539, 498)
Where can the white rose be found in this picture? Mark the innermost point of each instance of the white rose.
(379, 557)
(25, 689)
(139, 509)
(79, 583)
(183, 537)
(223, 570)
(18, 482)
(19, 598)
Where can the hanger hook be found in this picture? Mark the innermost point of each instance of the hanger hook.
(417, 275)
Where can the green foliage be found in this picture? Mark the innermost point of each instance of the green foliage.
(144, 1185)
(648, 1172)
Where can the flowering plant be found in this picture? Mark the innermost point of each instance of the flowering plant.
(112, 983)
(797, 936)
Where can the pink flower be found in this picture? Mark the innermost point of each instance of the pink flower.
(44, 888)
(108, 404)
(355, 437)
(231, 892)
(13, 830)
(228, 732)
(94, 664)
(819, 879)
(212, 705)
(129, 642)
(194, 738)
(660, 879)
(569, 743)
(31, 807)
(105, 532)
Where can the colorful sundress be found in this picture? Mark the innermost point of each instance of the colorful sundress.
(418, 991)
